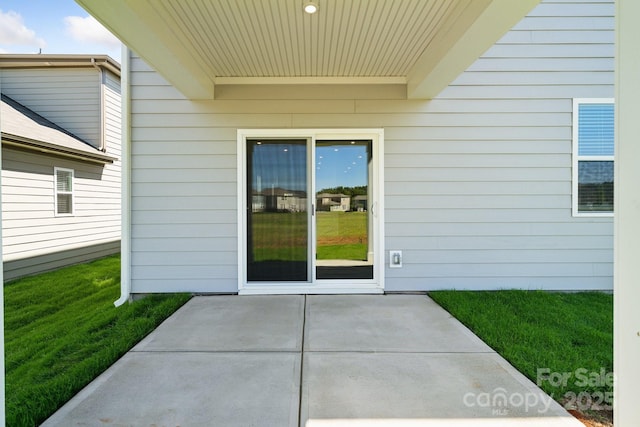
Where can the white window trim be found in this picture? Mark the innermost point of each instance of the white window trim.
(576, 158)
(329, 286)
(55, 191)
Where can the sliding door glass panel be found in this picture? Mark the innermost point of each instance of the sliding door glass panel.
(277, 214)
(343, 225)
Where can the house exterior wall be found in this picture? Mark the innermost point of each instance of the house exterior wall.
(477, 180)
(35, 239)
(69, 97)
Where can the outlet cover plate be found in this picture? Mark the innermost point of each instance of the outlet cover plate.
(395, 259)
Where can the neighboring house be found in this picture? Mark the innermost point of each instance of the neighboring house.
(61, 170)
(333, 202)
(481, 130)
(278, 200)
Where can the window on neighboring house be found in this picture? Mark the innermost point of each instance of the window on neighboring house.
(593, 151)
(64, 191)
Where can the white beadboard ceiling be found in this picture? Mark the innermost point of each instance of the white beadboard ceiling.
(274, 38)
(212, 42)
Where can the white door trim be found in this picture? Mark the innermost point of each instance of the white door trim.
(323, 286)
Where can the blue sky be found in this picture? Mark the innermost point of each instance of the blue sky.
(55, 26)
(341, 165)
(284, 165)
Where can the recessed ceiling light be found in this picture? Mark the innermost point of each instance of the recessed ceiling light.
(311, 8)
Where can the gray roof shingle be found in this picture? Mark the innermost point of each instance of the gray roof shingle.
(23, 126)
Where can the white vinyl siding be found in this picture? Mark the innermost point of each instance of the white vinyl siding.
(69, 97)
(112, 115)
(593, 157)
(478, 181)
(30, 226)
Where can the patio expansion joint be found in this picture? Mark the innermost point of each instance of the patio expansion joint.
(301, 385)
(218, 351)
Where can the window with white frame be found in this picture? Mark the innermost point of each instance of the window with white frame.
(593, 151)
(64, 191)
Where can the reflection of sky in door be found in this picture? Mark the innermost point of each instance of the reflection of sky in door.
(341, 165)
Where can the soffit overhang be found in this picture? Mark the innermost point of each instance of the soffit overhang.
(200, 44)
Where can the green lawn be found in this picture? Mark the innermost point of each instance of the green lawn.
(342, 235)
(62, 330)
(562, 341)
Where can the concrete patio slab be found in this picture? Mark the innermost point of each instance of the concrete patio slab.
(407, 323)
(311, 361)
(190, 389)
(230, 323)
(414, 388)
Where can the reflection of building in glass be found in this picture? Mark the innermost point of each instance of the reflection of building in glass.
(360, 203)
(279, 200)
(333, 202)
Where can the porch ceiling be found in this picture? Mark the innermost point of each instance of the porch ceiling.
(198, 44)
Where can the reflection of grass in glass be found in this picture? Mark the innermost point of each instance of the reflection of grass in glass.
(280, 254)
(283, 236)
(350, 252)
(279, 236)
(342, 235)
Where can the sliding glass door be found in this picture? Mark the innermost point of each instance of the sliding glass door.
(309, 221)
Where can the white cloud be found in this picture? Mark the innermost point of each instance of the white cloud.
(14, 32)
(88, 30)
